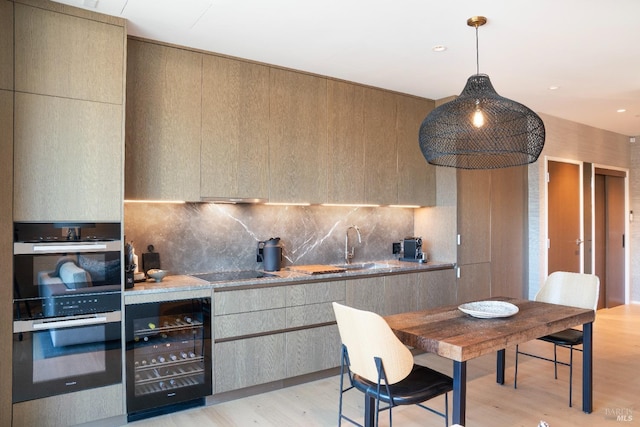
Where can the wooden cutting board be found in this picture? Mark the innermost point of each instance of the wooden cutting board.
(316, 269)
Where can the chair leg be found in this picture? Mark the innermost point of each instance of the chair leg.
(515, 376)
(555, 360)
(446, 409)
(570, 375)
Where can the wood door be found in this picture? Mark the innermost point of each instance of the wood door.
(610, 237)
(615, 241)
(509, 232)
(163, 127)
(563, 212)
(235, 129)
(346, 177)
(297, 137)
(416, 177)
(380, 153)
(474, 216)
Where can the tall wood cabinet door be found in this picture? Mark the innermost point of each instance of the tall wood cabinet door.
(163, 123)
(6, 246)
(66, 169)
(509, 231)
(62, 55)
(416, 177)
(474, 282)
(345, 106)
(6, 45)
(381, 161)
(474, 216)
(297, 137)
(235, 129)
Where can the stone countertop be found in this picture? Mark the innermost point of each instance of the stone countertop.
(172, 283)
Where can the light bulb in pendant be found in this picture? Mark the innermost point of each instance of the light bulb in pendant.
(478, 117)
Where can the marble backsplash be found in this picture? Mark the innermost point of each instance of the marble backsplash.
(199, 238)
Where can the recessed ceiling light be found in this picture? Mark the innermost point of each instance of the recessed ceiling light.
(554, 87)
(439, 48)
(621, 110)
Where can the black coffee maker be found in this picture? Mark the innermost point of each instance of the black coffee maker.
(270, 254)
(413, 250)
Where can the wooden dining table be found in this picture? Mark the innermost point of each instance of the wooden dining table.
(450, 333)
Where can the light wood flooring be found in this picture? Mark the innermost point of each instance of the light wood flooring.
(538, 397)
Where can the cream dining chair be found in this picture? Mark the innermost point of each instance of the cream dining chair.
(381, 367)
(572, 289)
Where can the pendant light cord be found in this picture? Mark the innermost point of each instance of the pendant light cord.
(477, 53)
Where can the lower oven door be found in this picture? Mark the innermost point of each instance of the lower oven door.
(63, 355)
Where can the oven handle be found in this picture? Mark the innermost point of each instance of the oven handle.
(66, 322)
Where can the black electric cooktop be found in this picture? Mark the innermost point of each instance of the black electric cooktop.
(229, 276)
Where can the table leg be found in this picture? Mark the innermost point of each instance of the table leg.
(500, 363)
(369, 411)
(587, 367)
(459, 392)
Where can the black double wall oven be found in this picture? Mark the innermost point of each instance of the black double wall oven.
(66, 308)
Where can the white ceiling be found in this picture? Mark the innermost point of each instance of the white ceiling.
(590, 49)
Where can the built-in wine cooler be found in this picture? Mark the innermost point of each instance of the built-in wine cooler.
(168, 356)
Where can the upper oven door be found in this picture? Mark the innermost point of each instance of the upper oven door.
(56, 279)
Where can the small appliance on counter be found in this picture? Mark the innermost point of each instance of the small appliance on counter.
(413, 250)
(270, 254)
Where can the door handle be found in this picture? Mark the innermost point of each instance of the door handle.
(578, 242)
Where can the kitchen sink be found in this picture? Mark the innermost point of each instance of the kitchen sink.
(364, 266)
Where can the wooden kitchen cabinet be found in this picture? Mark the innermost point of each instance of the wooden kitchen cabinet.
(416, 177)
(297, 137)
(58, 54)
(492, 224)
(66, 169)
(509, 232)
(68, 120)
(436, 288)
(380, 155)
(268, 334)
(312, 350)
(247, 362)
(6, 248)
(400, 293)
(474, 219)
(6, 45)
(235, 129)
(346, 178)
(366, 294)
(164, 114)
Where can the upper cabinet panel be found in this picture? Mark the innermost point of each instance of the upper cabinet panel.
(235, 129)
(416, 177)
(380, 155)
(298, 137)
(346, 142)
(6, 45)
(67, 159)
(62, 55)
(163, 123)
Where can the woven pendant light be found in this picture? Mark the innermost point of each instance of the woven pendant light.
(481, 129)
